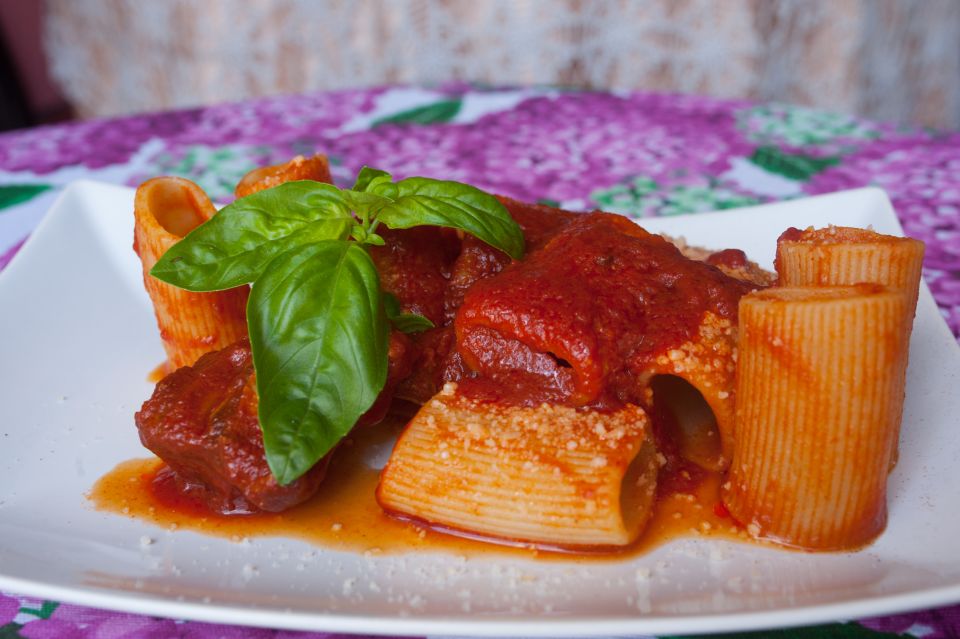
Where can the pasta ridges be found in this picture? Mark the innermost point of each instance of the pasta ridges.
(838, 255)
(315, 168)
(191, 324)
(549, 475)
(823, 431)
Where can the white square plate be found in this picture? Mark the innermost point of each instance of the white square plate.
(77, 333)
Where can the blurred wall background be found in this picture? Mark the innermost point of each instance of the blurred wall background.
(886, 59)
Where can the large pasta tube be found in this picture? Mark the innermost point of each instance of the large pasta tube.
(191, 324)
(547, 475)
(316, 168)
(818, 405)
(839, 255)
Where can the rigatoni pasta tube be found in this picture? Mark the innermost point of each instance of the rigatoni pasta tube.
(191, 324)
(548, 475)
(316, 168)
(839, 255)
(818, 403)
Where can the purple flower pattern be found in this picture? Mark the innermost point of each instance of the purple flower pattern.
(941, 623)
(77, 622)
(559, 148)
(93, 144)
(642, 154)
(9, 607)
(924, 184)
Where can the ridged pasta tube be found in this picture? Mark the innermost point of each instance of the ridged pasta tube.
(191, 324)
(316, 168)
(819, 397)
(549, 475)
(839, 255)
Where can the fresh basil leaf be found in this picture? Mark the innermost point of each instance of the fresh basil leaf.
(364, 236)
(373, 239)
(404, 322)
(365, 205)
(369, 176)
(358, 234)
(236, 244)
(411, 323)
(391, 304)
(319, 335)
(423, 201)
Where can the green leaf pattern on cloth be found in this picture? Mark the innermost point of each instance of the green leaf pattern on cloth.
(435, 113)
(644, 197)
(13, 194)
(801, 126)
(11, 631)
(795, 166)
(215, 169)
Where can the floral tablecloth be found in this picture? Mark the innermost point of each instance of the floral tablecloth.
(639, 154)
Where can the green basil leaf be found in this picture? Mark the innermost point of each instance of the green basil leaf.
(369, 176)
(404, 322)
(423, 201)
(237, 243)
(320, 336)
(411, 323)
(391, 305)
(373, 239)
(365, 205)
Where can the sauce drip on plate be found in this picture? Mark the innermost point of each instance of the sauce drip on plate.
(344, 515)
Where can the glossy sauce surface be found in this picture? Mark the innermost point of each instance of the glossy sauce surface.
(345, 516)
(580, 320)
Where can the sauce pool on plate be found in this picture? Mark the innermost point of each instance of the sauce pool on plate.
(345, 516)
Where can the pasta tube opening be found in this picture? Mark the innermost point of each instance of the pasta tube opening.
(638, 490)
(177, 207)
(686, 421)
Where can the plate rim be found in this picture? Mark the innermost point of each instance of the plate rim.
(491, 626)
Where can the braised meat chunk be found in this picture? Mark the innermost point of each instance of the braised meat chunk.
(202, 421)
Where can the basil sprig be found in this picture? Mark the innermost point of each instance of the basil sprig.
(234, 247)
(318, 318)
(404, 322)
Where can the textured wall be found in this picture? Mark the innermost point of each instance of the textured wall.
(889, 59)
